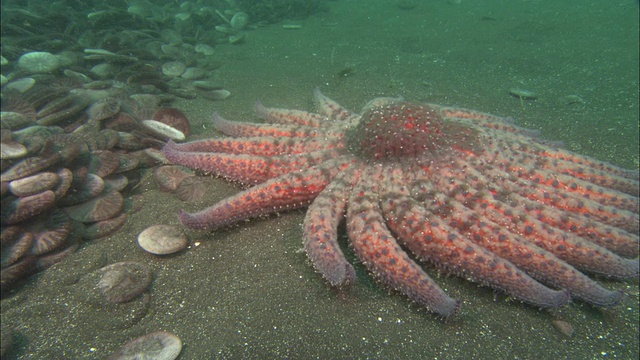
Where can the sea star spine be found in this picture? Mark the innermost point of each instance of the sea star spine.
(378, 250)
(321, 229)
(290, 191)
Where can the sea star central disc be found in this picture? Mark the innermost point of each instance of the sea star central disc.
(402, 129)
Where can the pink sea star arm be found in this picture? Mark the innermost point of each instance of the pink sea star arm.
(540, 264)
(524, 160)
(247, 169)
(264, 146)
(331, 108)
(515, 215)
(380, 102)
(503, 124)
(558, 198)
(378, 250)
(321, 229)
(589, 164)
(611, 181)
(287, 116)
(293, 190)
(462, 113)
(558, 160)
(248, 129)
(430, 238)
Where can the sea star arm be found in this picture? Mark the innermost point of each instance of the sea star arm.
(293, 190)
(502, 124)
(247, 169)
(287, 116)
(330, 108)
(527, 162)
(549, 228)
(590, 164)
(381, 101)
(563, 201)
(378, 250)
(321, 229)
(502, 240)
(430, 238)
(249, 129)
(508, 147)
(264, 146)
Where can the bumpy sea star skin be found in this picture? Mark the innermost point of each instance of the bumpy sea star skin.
(468, 192)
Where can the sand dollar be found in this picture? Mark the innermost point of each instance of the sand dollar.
(124, 281)
(162, 240)
(38, 62)
(173, 68)
(160, 345)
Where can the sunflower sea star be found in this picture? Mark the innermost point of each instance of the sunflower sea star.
(468, 192)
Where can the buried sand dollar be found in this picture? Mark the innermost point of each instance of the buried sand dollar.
(162, 240)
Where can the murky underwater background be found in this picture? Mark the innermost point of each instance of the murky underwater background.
(250, 292)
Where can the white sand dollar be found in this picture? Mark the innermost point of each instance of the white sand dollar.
(160, 345)
(162, 240)
(173, 68)
(163, 130)
(38, 62)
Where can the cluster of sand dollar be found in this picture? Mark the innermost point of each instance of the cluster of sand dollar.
(69, 155)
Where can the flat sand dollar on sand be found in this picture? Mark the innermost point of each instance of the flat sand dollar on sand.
(160, 345)
(162, 240)
(124, 281)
